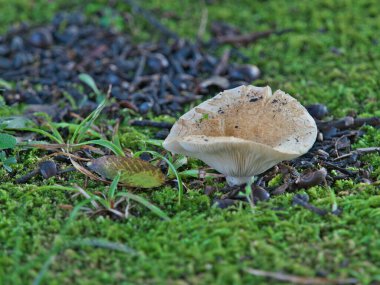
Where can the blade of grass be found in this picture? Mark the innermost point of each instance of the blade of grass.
(113, 187)
(5, 84)
(116, 139)
(72, 128)
(113, 147)
(145, 203)
(154, 142)
(87, 122)
(334, 203)
(87, 79)
(51, 127)
(70, 99)
(39, 131)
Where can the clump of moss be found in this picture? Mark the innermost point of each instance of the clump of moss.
(133, 139)
(276, 180)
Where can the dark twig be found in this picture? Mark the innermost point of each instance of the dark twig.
(349, 123)
(359, 151)
(222, 66)
(341, 169)
(25, 178)
(147, 123)
(66, 170)
(297, 200)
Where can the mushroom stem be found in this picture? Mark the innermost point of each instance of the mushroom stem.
(236, 181)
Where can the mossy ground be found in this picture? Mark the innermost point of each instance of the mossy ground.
(332, 57)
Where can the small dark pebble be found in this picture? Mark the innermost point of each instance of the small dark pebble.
(259, 194)
(17, 44)
(209, 190)
(147, 123)
(224, 203)
(246, 73)
(146, 156)
(329, 132)
(162, 134)
(318, 111)
(4, 50)
(144, 107)
(31, 98)
(280, 189)
(5, 63)
(112, 79)
(48, 169)
(312, 179)
(300, 197)
(41, 38)
(215, 81)
(366, 181)
(157, 62)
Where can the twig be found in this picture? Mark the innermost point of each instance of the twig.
(341, 169)
(222, 66)
(25, 178)
(66, 170)
(359, 151)
(87, 196)
(203, 22)
(147, 123)
(306, 205)
(299, 279)
(68, 155)
(349, 123)
(139, 71)
(337, 142)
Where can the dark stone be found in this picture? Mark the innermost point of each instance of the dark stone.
(246, 73)
(41, 38)
(48, 169)
(259, 194)
(4, 50)
(317, 111)
(144, 107)
(17, 44)
(5, 63)
(162, 134)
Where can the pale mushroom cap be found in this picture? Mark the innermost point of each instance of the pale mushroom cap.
(244, 131)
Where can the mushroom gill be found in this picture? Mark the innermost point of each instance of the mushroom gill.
(244, 131)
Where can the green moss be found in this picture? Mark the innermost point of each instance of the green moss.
(275, 181)
(199, 243)
(133, 139)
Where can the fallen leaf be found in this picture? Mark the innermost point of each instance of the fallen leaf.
(134, 172)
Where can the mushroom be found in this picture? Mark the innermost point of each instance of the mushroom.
(244, 131)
